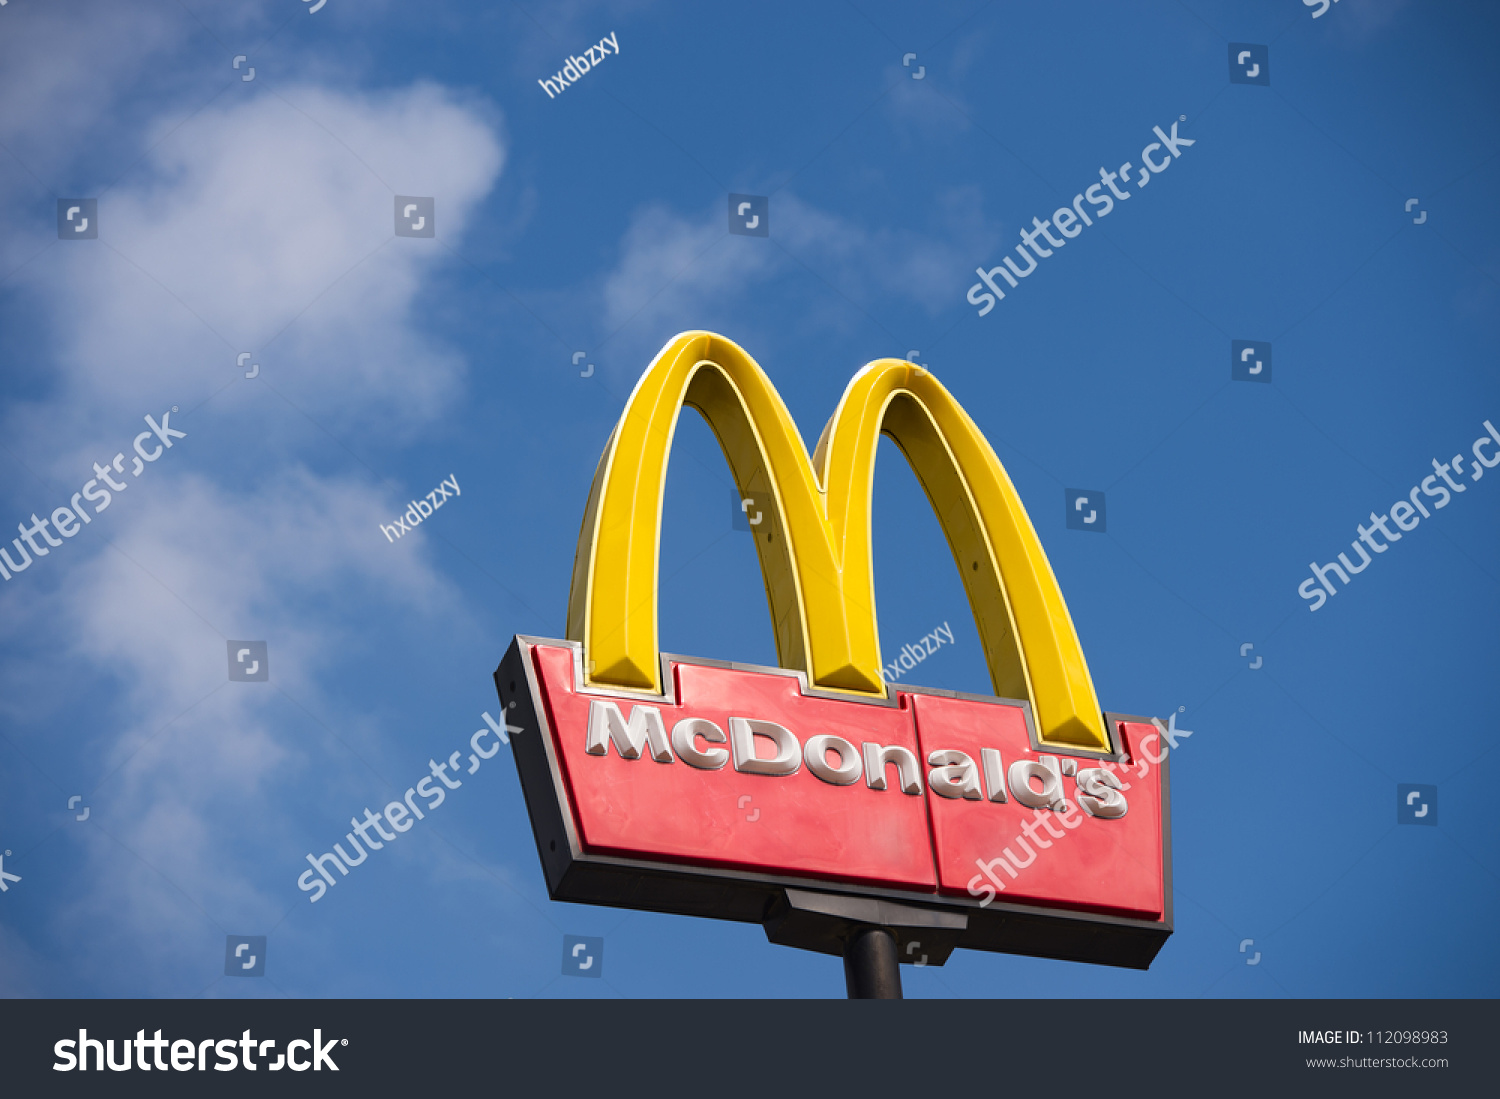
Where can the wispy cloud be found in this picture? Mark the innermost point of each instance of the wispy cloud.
(263, 224)
(674, 268)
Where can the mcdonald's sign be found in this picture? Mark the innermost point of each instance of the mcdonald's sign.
(816, 796)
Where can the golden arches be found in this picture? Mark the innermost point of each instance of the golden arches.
(814, 540)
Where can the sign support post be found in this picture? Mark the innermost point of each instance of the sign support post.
(872, 970)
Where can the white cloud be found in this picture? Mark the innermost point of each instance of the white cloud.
(871, 263)
(227, 561)
(276, 211)
(244, 220)
(670, 264)
(193, 764)
(672, 269)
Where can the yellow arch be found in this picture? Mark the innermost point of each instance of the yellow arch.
(814, 537)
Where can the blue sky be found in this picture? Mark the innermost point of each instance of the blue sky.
(255, 216)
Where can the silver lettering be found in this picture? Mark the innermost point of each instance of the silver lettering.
(1047, 772)
(908, 771)
(848, 771)
(742, 734)
(953, 775)
(684, 735)
(1099, 794)
(606, 724)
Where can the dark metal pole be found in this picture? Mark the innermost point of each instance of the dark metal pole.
(871, 968)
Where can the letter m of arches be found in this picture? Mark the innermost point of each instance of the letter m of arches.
(814, 540)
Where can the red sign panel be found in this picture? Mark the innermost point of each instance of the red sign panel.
(1037, 854)
(792, 823)
(930, 798)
